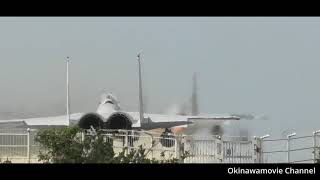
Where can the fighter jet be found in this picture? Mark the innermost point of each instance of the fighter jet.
(109, 115)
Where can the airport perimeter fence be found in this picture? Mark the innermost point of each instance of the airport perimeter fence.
(301, 149)
(18, 146)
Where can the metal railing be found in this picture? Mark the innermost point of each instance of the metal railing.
(18, 145)
(305, 149)
(157, 147)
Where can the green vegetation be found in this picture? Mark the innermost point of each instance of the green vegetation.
(65, 145)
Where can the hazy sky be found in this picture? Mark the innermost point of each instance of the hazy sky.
(261, 65)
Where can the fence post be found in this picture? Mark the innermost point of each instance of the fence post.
(151, 149)
(288, 146)
(261, 147)
(219, 149)
(28, 144)
(315, 146)
(126, 141)
(261, 153)
(177, 147)
(288, 150)
(257, 148)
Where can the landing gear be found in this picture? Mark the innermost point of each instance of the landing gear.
(167, 138)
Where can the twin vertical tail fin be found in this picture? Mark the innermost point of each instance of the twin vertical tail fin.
(194, 103)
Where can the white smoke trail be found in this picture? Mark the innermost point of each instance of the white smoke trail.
(248, 116)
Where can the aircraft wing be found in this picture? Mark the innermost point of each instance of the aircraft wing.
(213, 117)
(153, 121)
(40, 121)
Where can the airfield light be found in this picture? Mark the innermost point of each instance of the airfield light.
(265, 136)
(316, 132)
(290, 135)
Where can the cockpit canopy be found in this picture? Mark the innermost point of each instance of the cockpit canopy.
(109, 98)
(108, 101)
